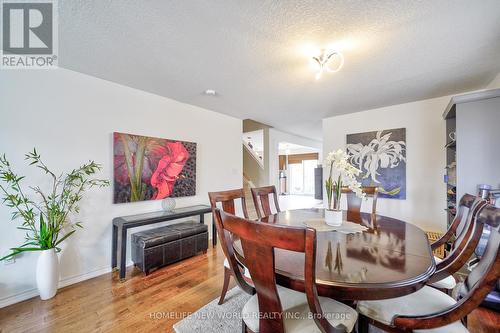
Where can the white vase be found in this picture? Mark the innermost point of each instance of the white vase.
(47, 274)
(333, 217)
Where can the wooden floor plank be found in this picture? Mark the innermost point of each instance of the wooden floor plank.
(140, 304)
(104, 304)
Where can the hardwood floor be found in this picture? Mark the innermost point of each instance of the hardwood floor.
(140, 304)
(143, 304)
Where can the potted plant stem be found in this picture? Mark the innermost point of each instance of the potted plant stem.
(46, 220)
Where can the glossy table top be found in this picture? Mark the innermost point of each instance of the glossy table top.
(392, 258)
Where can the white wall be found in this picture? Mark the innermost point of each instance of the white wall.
(495, 83)
(275, 137)
(70, 117)
(425, 138)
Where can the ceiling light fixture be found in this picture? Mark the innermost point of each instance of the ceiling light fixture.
(210, 92)
(325, 60)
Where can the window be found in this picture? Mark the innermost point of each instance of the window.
(302, 177)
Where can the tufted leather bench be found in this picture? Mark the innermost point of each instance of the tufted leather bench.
(158, 247)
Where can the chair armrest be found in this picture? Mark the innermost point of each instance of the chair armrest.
(429, 321)
(443, 239)
(449, 315)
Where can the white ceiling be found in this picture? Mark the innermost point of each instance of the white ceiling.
(253, 53)
(286, 148)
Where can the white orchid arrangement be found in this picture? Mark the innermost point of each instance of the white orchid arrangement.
(345, 175)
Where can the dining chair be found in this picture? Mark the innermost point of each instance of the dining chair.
(262, 202)
(354, 203)
(430, 310)
(463, 246)
(274, 308)
(227, 200)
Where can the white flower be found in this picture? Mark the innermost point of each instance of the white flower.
(342, 170)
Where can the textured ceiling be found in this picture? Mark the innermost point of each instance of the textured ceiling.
(253, 53)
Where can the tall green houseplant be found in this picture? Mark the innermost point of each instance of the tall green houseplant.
(46, 221)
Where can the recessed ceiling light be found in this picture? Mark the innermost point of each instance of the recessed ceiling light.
(210, 92)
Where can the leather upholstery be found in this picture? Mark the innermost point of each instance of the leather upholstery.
(424, 301)
(162, 246)
(296, 312)
(162, 235)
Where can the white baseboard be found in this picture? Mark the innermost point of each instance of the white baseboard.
(22, 296)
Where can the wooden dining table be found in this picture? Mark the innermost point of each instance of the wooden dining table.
(391, 258)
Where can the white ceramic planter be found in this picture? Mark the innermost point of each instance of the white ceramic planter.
(333, 217)
(47, 274)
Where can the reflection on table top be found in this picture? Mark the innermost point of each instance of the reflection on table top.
(390, 253)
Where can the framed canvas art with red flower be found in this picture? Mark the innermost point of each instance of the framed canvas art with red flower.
(147, 168)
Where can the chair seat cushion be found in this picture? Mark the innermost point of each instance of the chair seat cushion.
(297, 319)
(427, 300)
(246, 273)
(448, 282)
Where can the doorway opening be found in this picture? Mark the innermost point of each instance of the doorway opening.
(297, 166)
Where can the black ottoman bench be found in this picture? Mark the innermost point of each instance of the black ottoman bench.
(165, 245)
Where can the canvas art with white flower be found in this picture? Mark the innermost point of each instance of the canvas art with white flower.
(381, 157)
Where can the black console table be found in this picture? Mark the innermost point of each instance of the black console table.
(123, 223)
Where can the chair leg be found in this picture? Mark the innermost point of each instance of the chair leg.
(227, 276)
(363, 324)
(464, 321)
(243, 326)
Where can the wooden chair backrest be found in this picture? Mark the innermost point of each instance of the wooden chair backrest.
(227, 199)
(258, 241)
(261, 200)
(354, 203)
(490, 216)
(466, 203)
(467, 240)
(226, 240)
(479, 283)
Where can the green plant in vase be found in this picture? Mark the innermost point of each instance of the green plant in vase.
(45, 220)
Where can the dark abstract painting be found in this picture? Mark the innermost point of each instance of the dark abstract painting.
(147, 168)
(381, 157)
